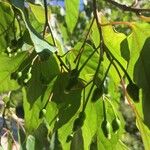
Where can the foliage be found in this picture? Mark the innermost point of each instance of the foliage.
(68, 73)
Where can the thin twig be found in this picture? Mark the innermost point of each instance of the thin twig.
(81, 49)
(47, 23)
(61, 62)
(100, 57)
(120, 65)
(127, 8)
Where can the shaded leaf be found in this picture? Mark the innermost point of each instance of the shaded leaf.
(7, 27)
(36, 99)
(68, 103)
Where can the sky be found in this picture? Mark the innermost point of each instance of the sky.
(61, 3)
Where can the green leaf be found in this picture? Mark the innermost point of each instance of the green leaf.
(36, 98)
(136, 40)
(89, 69)
(7, 27)
(33, 121)
(142, 78)
(94, 34)
(30, 144)
(77, 141)
(38, 12)
(8, 65)
(145, 132)
(68, 103)
(41, 136)
(39, 43)
(72, 12)
(112, 102)
(90, 125)
(113, 40)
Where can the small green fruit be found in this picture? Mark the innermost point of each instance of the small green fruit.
(71, 84)
(116, 124)
(78, 123)
(26, 80)
(19, 74)
(44, 111)
(97, 94)
(133, 91)
(73, 80)
(29, 75)
(106, 128)
(69, 138)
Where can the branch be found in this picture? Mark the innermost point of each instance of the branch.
(127, 8)
(47, 23)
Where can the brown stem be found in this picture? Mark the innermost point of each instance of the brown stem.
(47, 23)
(127, 8)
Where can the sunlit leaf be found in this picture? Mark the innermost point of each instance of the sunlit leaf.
(72, 12)
(113, 40)
(30, 144)
(39, 43)
(142, 78)
(136, 40)
(9, 65)
(38, 11)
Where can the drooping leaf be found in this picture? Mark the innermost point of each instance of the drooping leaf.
(36, 99)
(39, 43)
(68, 103)
(90, 125)
(72, 12)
